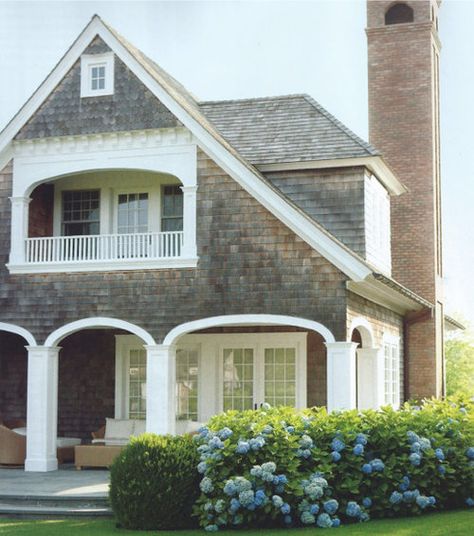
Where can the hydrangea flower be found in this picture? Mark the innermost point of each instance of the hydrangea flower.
(313, 491)
(358, 450)
(306, 442)
(288, 520)
(256, 471)
(367, 502)
(269, 467)
(412, 437)
(211, 528)
(290, 429)
(361, 439)
(410, 496)
(415, 447)
(257, 443)
(396, 497)
(260, 497)
(442, 470)
(230, 488)
(336, 522)
(405, 484)
(439, 454)
(225, 433)
(267, 429)
(266, 406)
(324, 521)
(206, 485)
(303, 453)
(331, 506)
(246, 497)
(377, 465)
(422, 501)
(470, 453)
(219, 506)
(432, 500)
(353, 509)
(282, 479)
(367, 468)
(216, 443)
(425, 443)
(285, 509)
(234, 505)
(463, 410)
(202, 466)
(470, 501)
(242, 447)
(337, 444)
(203, 448)
(307, 518)
(415, 459)
(364, 516)
(277, 501)
(314, 509)
(203, 431)
(242, 484)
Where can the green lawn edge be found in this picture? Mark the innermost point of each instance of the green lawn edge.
(456, 523)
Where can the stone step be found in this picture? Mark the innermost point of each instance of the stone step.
(39, 506)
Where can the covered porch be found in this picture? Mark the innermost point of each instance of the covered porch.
(99, 368)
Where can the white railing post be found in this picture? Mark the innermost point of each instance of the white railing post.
(19, 229)
(189, 221)
(160, 389)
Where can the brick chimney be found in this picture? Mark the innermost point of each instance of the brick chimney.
(403, 56)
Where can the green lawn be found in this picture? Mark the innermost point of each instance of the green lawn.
(458, 523)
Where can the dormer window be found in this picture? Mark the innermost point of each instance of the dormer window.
(97, 75)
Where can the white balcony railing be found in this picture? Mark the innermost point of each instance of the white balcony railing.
(113, 247)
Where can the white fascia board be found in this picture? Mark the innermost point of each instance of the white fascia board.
(377, 292)
(296, 220)
(103, 266)
(375, 164)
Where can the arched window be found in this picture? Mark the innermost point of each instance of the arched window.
(398, 14)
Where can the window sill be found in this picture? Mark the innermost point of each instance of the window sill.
(103, 266)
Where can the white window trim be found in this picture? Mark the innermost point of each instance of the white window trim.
(197, 348)
(123, 345)
(392, 341)
(94, 60)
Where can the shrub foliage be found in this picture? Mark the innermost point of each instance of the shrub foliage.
(280, 466)
(154, 482)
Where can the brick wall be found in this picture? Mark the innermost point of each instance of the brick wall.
(404, 125)
(246, 265)
(13, 366)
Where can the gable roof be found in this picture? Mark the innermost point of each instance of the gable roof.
(289, 128)
(187, 110)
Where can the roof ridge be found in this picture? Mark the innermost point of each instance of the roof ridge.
(252, 99)
(364, 144)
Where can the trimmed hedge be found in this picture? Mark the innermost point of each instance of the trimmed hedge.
(154, 483)
(280, 466)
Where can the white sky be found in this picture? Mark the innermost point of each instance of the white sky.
(229, 49)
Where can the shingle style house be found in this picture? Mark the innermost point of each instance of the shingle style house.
(231, 253)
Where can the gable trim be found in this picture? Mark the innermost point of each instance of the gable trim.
(208, 140)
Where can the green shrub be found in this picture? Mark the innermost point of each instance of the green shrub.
(154, 483)
(304, 467)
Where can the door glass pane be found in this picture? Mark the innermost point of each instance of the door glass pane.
(171, 208)
(238, 378)
(137, 384)
(132, 213)
(280, 376)
(187, 369)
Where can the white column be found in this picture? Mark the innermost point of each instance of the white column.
(42, 409)
(370, 378)
(19, 229)
(161, 389)
(341, 375)
(189, 221)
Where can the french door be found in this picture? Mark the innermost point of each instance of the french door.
(256, 374)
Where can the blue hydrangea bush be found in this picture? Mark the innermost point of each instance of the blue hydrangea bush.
(286, 467)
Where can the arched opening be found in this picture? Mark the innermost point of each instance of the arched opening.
(399, 13)
(242, 361)
(13, 392)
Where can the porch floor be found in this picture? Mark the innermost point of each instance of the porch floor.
(66, 482)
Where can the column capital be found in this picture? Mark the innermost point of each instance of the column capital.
(20, 200)
(159, 347)
(341, 345)
(189, 189)
(46, 350)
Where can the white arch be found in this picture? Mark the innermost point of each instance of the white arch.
(97, 322)
(365, 329)
(247, 320)
(11, 328)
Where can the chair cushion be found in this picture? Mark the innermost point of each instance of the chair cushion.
(68, 441)
(20, 431)
(139, 427)
(118, 429)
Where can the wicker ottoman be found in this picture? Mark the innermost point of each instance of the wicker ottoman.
(95, 455)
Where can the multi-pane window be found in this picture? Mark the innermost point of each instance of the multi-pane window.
(187, 369)
(280, 376)
(391, 372)
(137, 384)
(238, 378)
(171, 208)
(97, 77)
(132, 214)
(81, 212)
